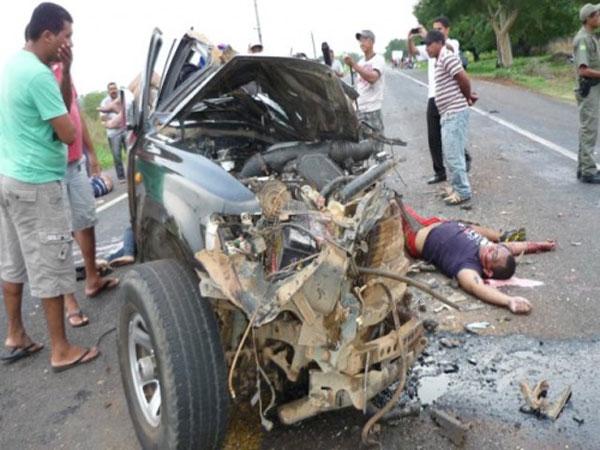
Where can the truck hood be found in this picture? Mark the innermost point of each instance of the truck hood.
(290, 98)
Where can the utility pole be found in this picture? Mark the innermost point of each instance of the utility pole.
(313, 43)
(258, 23)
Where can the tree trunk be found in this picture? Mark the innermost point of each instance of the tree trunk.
(505, 54)
(502, 22)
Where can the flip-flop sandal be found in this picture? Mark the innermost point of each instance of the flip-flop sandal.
(455, 199)
(78, 362)
(519, 235)
(84, 320)
(121, 261)
(13, 354)
(446, 192)
(103, 267)
(108, 283)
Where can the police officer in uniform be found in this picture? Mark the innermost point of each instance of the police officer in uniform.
(587, 60)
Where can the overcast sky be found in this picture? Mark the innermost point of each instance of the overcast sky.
(111, 37)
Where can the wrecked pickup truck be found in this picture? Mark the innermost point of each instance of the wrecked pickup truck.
(263, 225)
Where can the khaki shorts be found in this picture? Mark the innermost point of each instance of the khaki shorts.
(81, 196)
(35, 237)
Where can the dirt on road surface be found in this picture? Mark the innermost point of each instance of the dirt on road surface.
(517, 182)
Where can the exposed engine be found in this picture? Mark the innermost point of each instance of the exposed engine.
(295, 272)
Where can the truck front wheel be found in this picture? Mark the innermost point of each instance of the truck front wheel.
(171, 359)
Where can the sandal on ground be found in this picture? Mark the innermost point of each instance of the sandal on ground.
(121, 261)
(519, 235)
(103, 267)
(455, 199)
(83, 319)
(445, 192)
(106, 284)
(13, 354)
(79, 361)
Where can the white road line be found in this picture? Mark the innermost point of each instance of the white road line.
(113, 202)
(517, 129)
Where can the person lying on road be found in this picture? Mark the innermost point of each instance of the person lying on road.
(468, 253)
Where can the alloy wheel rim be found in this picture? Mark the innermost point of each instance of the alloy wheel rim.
(144, 370)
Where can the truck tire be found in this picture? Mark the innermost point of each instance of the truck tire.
(171, 359)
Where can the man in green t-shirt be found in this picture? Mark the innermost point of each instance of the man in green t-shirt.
(587, 61)
(35, 225)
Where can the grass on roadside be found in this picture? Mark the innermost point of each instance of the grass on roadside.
(98, 136)
(548, 74)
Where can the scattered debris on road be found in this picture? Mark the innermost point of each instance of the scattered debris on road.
(450, 426)
(476, 327)
(580, 421)
(538, 403)
(513, 281)
(449, 342)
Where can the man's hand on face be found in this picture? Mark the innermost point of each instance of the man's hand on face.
(349, 61)
(65, 56)
(519, 305)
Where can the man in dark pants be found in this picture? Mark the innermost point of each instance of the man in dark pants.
(434, 133)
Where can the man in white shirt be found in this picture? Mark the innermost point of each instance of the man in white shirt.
(115, 130)
(441, 24)
(336, 65)
(369, 83)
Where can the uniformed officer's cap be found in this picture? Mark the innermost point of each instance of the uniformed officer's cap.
(587, 10)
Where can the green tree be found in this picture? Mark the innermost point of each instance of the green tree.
(395, 44)
(502, 15)
(556, 19)
(90, 102)
(474, 33)
(530, 22)
(472, 29)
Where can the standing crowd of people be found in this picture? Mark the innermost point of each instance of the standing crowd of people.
(450, 97)
(46, 199)
(46, 196)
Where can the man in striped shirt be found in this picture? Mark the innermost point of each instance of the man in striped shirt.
(453, 97)
(434, 131)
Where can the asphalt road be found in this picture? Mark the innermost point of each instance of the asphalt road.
(523, 175)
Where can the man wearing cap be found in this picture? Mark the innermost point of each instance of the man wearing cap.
(587, 60)
(255, 48)
(442, 24)
(370, 82)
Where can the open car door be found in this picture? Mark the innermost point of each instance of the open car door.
(144, 104)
